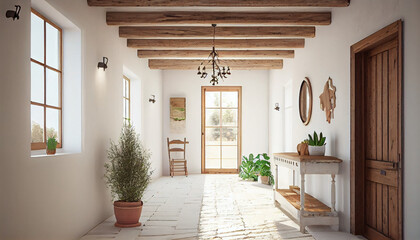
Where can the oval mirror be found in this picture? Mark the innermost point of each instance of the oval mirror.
(305, 101)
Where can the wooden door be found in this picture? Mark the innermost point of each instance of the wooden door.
(381, 138)
(221, 129)
(376, 135)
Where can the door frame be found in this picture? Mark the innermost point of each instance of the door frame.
(203, 115)
(357, 151)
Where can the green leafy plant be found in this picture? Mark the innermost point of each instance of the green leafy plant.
(128, 172)
(51, 143)
(263, 166)
(249, 168)
(315, 141)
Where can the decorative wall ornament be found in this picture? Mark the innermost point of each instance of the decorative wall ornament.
(177, 115)
(328, 100)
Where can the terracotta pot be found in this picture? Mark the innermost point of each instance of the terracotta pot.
(127, 213)
(50, 152)
(264, 179)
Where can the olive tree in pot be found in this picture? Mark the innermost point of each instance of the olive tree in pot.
(127, 175)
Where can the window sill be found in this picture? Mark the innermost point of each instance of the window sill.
(42, 153)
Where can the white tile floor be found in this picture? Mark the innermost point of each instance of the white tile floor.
(205, 207)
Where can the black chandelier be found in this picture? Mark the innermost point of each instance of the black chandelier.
(219, 72)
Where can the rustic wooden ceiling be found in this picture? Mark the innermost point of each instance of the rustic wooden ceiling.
(245, 39)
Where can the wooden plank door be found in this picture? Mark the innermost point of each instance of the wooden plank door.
(382, 156)
(221, 129)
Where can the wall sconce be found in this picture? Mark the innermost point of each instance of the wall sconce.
(152, 99)
(277, 107)
(103, 64)
(13, 14)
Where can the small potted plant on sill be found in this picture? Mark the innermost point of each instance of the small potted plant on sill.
(51, 146)
(264, 169)
(316, 146)
(127, 175)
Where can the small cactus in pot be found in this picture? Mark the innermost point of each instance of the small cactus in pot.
(316, 145)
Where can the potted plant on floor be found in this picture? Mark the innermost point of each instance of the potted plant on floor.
(51, 146)
(248, 169)
(316, 146)
(264, 169)
(127, 175)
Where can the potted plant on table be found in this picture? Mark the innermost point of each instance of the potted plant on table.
(264, 169)
(316, 146)
(127, 175)
(51, 146)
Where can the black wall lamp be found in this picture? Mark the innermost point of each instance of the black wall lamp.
(13, 14)
(103, 64)
(277, 107)
(152, 99)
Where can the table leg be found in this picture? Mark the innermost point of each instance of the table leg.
(276, 184)
(302, 200)
(332, 192)
(302, 192)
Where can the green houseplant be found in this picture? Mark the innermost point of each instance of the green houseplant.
(127, 175)
(264, 168)
(316, 146)
(51, 146)
(248, 169)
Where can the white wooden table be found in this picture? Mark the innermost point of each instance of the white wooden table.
(292, 200)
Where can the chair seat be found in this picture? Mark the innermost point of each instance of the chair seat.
(178, 160)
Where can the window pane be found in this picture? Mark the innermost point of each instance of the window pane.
(212, 117)
(37, 83)
(212, 136)
(229, 136)
(230, 117)
(230, 99)
(212, 157)
(37, 38)
(124, 88)
(127, 108)
(53, 88)
(229, 154)
(53, 120)
(212, 99)
(124, 114)
(53, 47)
(37, 124)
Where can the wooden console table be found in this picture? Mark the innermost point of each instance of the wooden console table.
(305, 209)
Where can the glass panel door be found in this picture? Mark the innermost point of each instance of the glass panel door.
(221, 129)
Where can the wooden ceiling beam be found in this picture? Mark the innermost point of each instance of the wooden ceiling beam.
(207, 18)
(223, 54)
(221, 32)
(176, 64)
(218, 3)
(206, 44)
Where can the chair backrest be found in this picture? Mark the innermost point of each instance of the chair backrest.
(176, 149)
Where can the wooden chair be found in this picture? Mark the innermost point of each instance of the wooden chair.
(177, 165)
